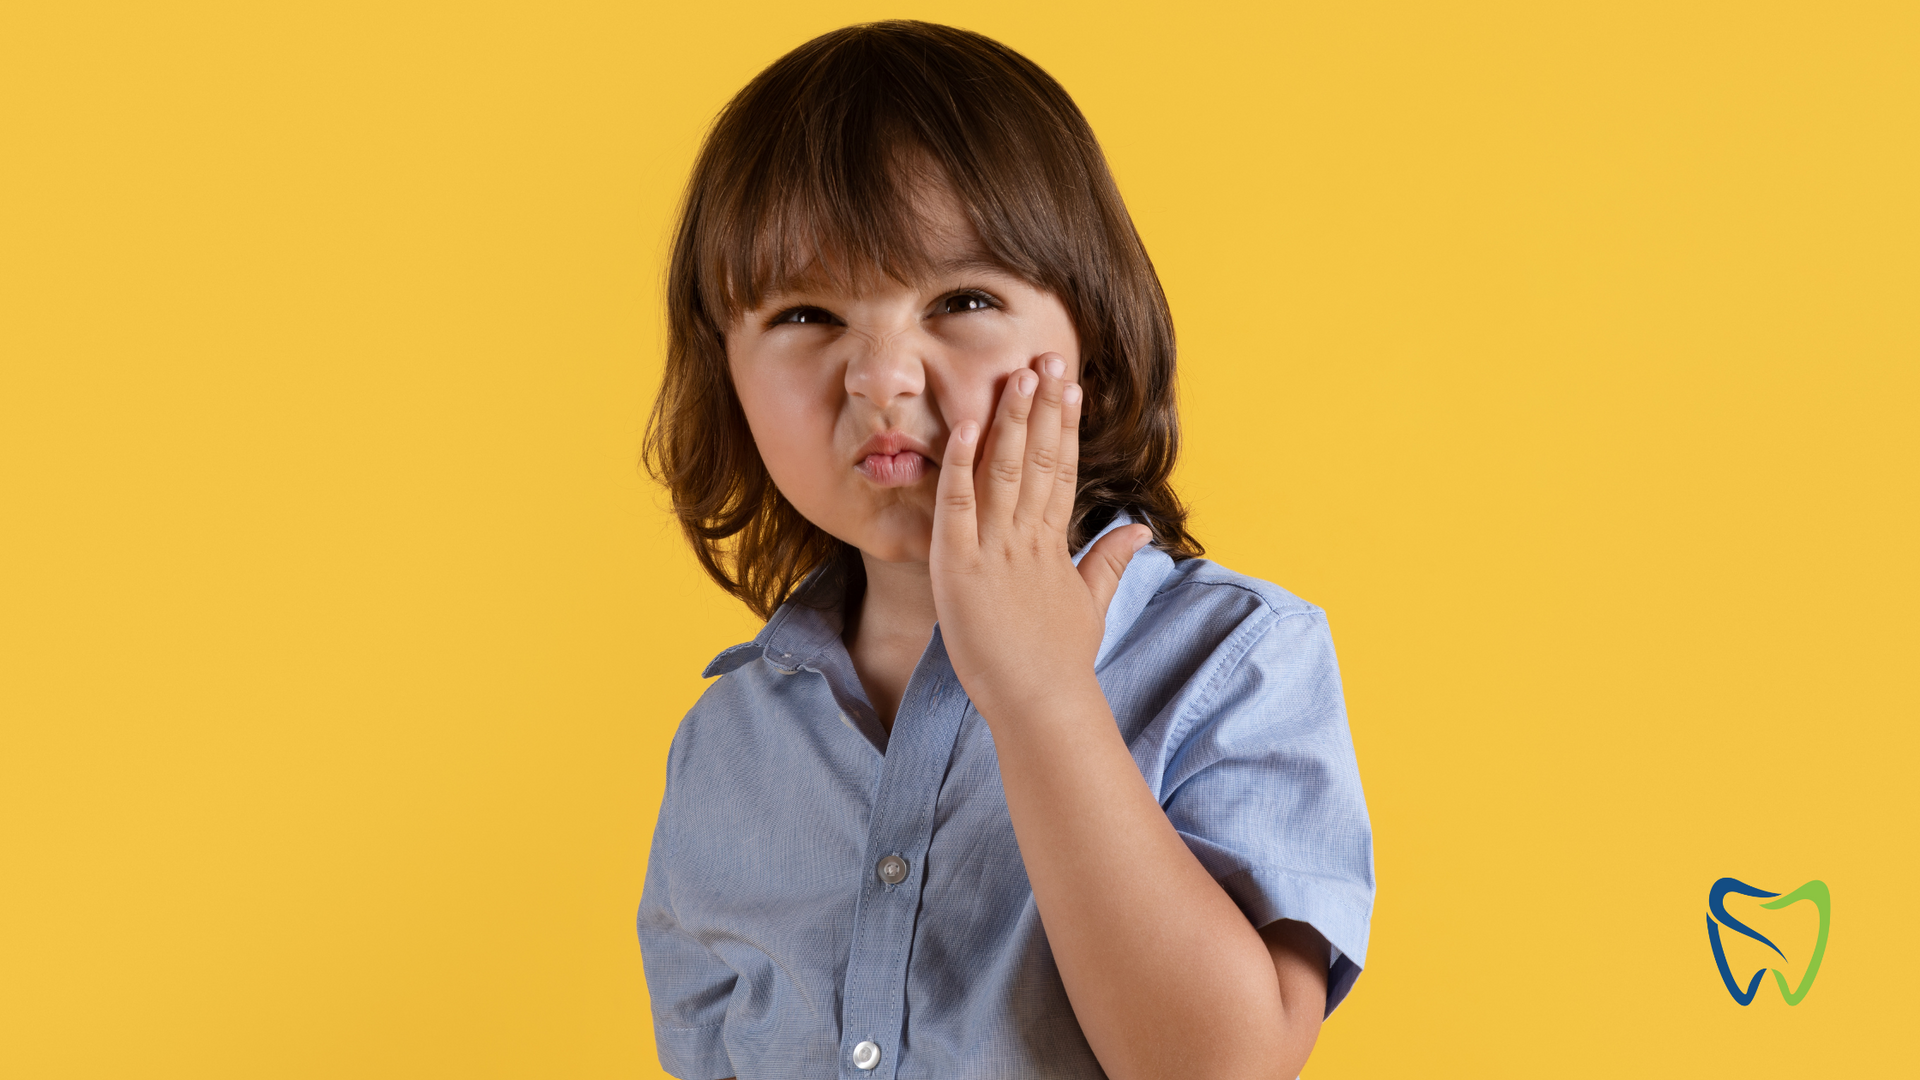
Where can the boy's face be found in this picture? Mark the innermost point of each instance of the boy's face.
(851, 390)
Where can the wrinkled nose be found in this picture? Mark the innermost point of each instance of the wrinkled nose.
(885, 370)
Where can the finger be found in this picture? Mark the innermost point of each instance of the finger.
(997, 487)
(1043, 442)
(1066, 476)
(955, 527)
(1101, 567)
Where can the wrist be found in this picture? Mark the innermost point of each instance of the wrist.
(1048, 699)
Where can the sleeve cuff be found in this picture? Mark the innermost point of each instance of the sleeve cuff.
(1340, 911)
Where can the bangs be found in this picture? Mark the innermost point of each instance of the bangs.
(821, 168)
(812, 219)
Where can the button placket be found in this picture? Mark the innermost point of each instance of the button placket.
(917, 756)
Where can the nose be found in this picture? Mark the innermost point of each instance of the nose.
(886, 369)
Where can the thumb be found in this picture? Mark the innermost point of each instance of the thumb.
(1101, 567)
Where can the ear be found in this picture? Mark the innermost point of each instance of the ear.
(1101, 567)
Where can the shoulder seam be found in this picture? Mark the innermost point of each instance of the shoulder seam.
(1306, 608)
(1251, 634)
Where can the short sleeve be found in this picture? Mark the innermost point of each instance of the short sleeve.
(1265, 790)
(689, 986)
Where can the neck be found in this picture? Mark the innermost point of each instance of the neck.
(897, 606)
(888, 630)
(898, 597)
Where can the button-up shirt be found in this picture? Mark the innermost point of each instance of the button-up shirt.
(828, 898)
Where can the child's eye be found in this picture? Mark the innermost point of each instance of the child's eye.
(805, 316)
(960, 302)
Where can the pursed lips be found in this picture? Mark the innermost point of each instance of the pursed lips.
(894, 459)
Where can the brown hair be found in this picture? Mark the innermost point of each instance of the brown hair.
(813, 159)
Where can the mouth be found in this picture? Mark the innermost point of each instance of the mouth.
(894, 459)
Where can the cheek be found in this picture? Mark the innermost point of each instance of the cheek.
(975, 366)
(983, 355)
(970, 392)
(792, 420)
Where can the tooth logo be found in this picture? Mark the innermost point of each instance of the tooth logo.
(1717, 917)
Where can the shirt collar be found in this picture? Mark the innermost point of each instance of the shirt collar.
(797, 634)
(808, 624)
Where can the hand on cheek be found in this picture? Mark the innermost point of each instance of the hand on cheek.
(1019, 620)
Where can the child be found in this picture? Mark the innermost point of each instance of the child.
(971, 804)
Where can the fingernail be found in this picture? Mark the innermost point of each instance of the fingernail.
(968, 432)
(1024, 383)
(1071, 395)
(1055, 366)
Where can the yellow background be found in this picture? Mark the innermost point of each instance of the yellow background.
(1566, 354)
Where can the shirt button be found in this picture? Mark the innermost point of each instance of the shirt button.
(893, 871)
(866, 1056)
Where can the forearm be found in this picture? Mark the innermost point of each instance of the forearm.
(1165, 974)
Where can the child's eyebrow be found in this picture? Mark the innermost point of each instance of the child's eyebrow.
(815, 278)
(976, 263)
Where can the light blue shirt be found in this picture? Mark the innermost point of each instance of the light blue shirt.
(775, 948)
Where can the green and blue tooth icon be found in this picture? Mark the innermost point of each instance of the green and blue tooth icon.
(1717, 917)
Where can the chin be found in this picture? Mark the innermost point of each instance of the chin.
(897, 537)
